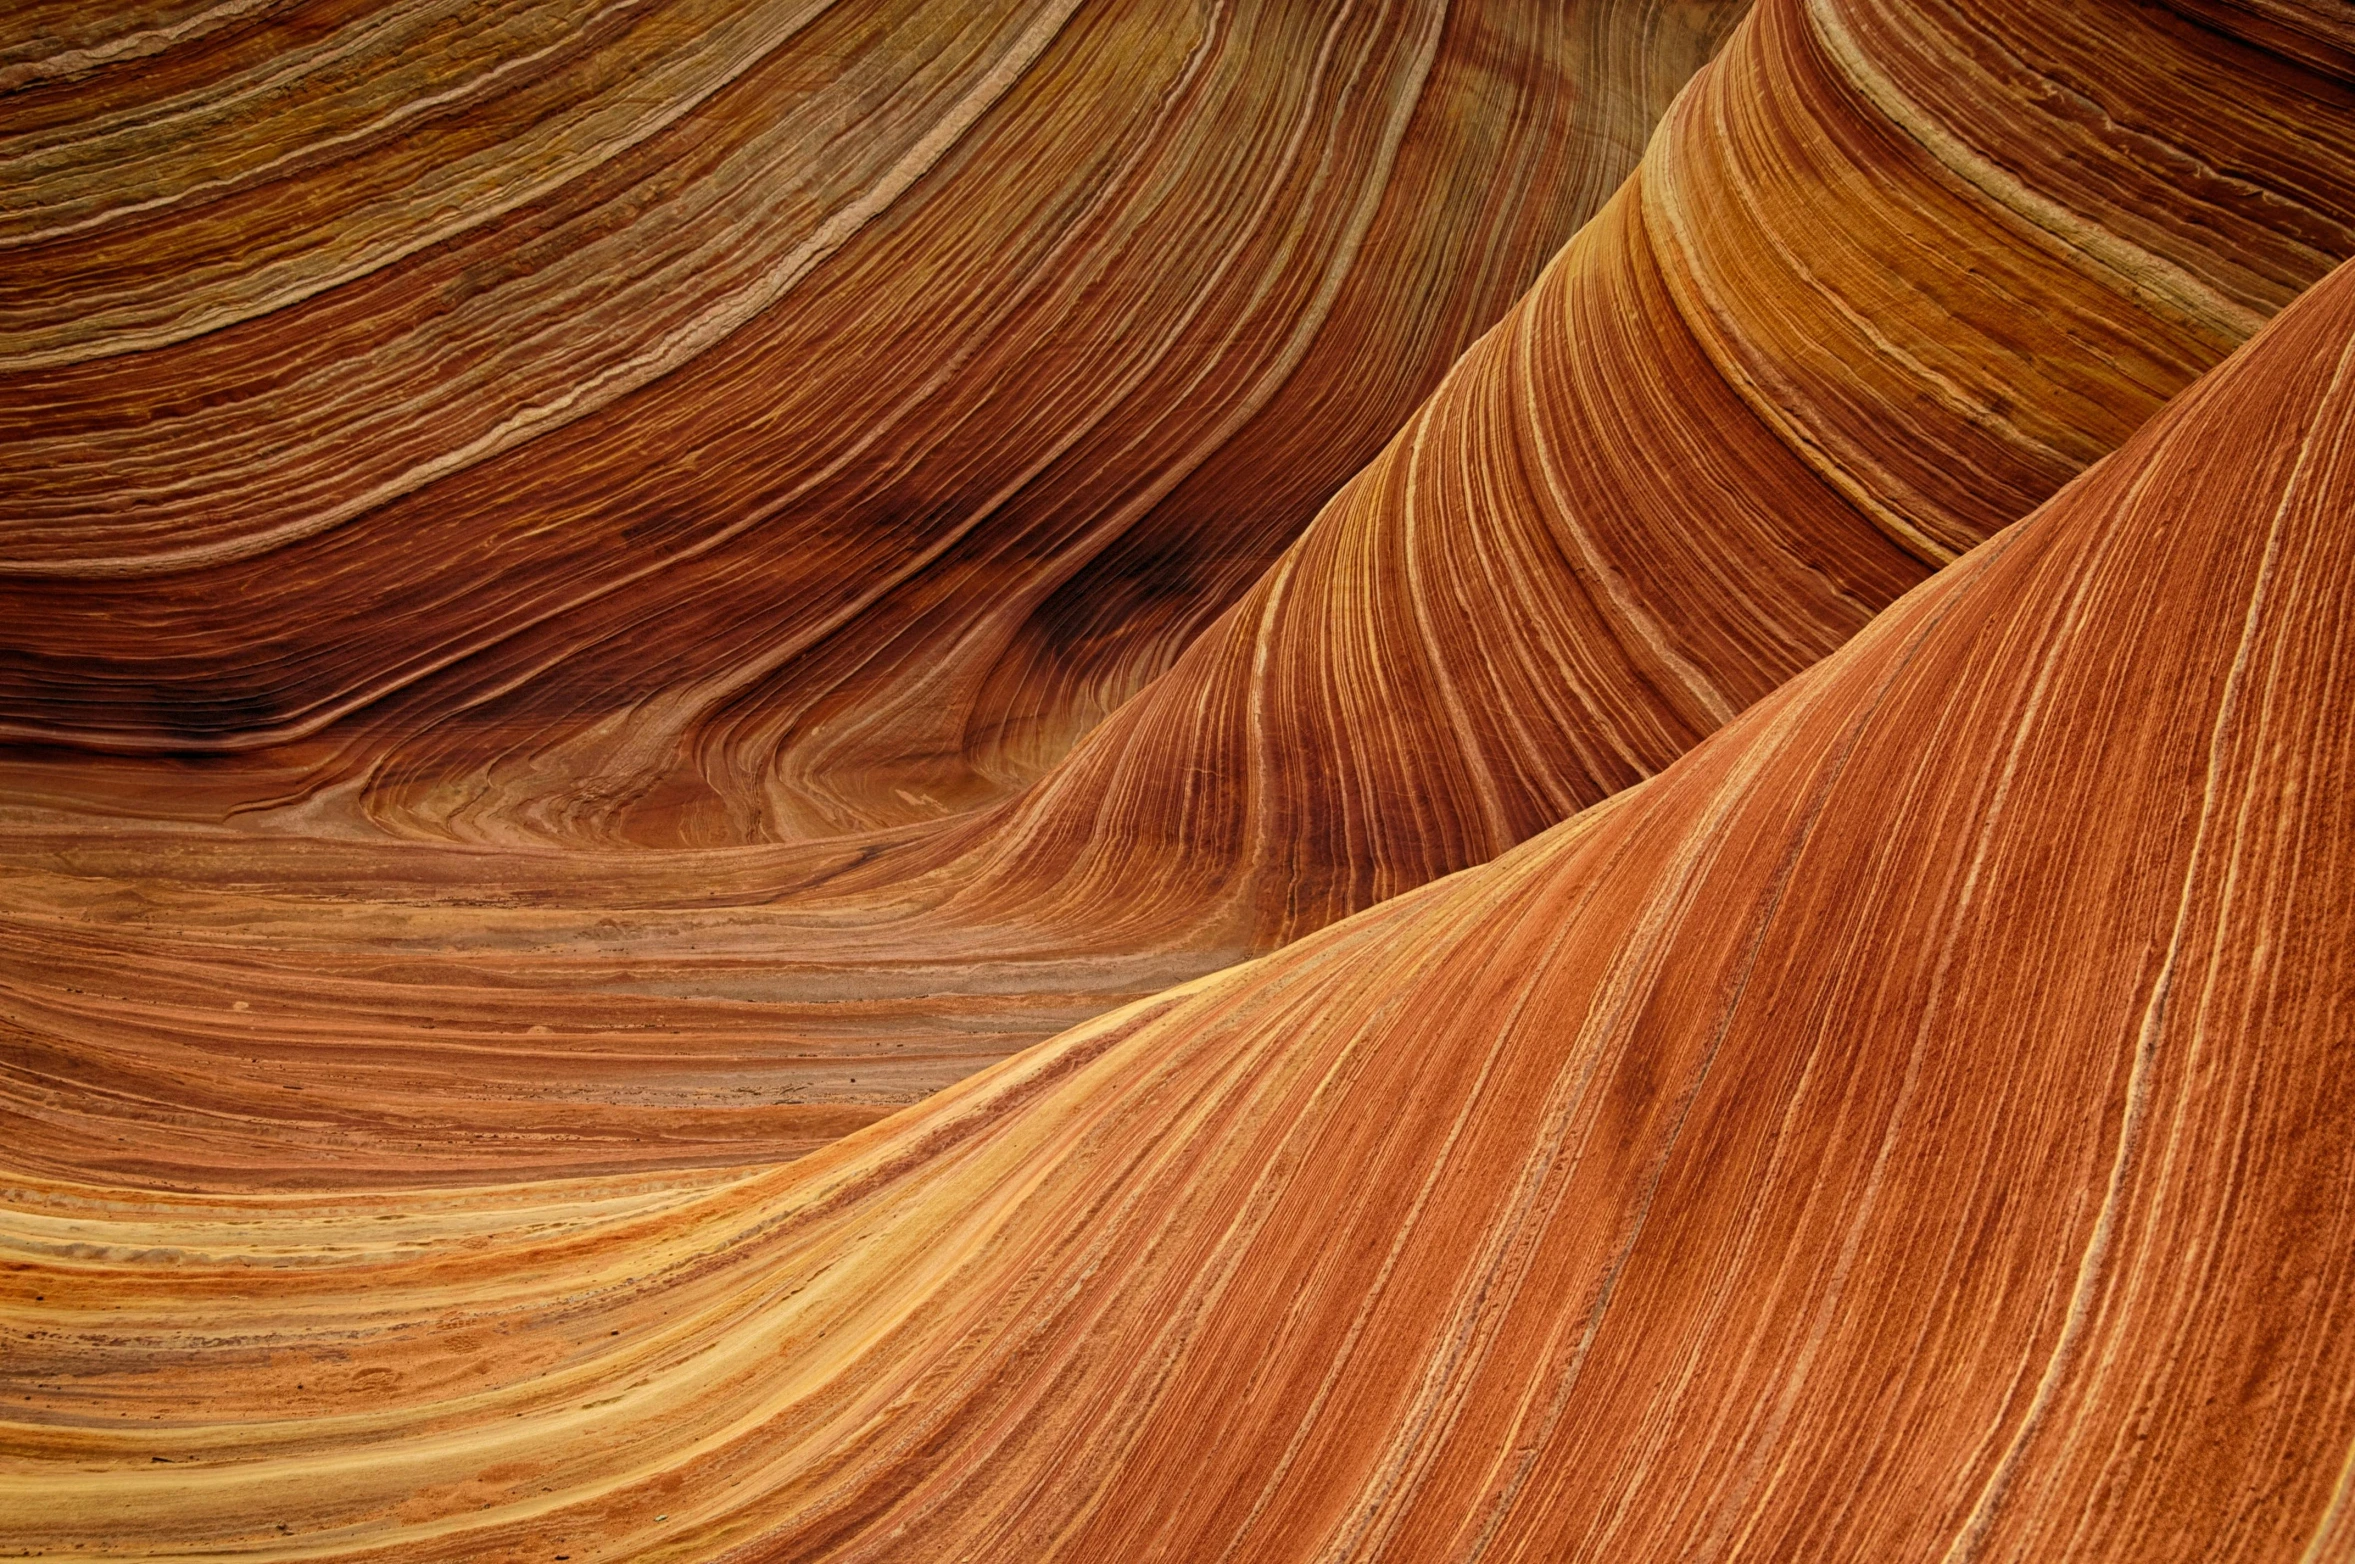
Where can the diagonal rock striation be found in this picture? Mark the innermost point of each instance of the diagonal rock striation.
(705, 868)
(1907, 1126)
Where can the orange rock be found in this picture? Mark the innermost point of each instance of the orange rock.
(570, 591)
(1909, 1126)
(1722, 431)
(649, 429)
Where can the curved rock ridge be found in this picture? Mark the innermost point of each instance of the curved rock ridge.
(1909, 1126)
(885, 547)
(478, 929)
(1888, 276)
(693, 421)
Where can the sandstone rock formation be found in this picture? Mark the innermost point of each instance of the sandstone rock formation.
(1720, 433)
(703, 422)
(1911, 1126)
(653, 428)
(722, 569)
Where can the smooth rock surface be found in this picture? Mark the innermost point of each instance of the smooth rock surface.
(1910, 1126)
(941, 781)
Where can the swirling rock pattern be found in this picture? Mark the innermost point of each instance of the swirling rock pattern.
(758, 373)
(650, 429)
(1720, 433)
(1910, 1126)
(597, 596)
(523, 907)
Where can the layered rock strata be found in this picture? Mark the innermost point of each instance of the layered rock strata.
(564, 573)
(1909, 1126)
(646, 433)
(1887, 276)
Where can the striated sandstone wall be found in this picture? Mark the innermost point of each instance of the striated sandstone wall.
(705, 422)
(594, 597)
(1910, 1126)
(1884, 280)
(472, 477)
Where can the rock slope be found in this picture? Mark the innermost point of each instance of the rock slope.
(613, 802)
(651, 433)
(1911, 1125)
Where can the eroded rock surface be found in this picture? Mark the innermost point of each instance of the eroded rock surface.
(1688, 901)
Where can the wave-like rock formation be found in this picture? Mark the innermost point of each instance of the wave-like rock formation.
(593, 596)
(1912, 1125)
(1888, 277)
(472, 478)
(697, 421)
(652, 792)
